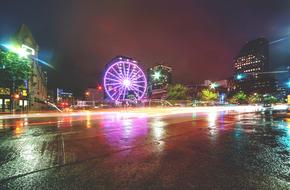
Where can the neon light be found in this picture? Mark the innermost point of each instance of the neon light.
(123, 78)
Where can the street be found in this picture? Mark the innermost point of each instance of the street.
(145, 149)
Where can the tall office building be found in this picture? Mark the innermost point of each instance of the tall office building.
(252, 66)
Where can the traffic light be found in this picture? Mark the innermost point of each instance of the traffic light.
(100, 88)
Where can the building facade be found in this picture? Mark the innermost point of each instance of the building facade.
(37, 84)
(33, 94)
(64, 98)
(95, 94)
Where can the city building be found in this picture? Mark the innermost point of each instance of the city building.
(33, 94)
(252, 68)
(95, 94)
(64, 99)
(159, 78)
(38, 83)
(194, 90)
(222, 87)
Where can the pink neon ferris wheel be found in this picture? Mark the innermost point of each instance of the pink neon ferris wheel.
(124, 79)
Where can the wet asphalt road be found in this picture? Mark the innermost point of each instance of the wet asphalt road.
(215, 150)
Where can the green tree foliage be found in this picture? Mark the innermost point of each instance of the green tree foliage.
(270, 99)
(177, 92)
(208, 95)
(13, 69)
(255, 98)
(239, 98)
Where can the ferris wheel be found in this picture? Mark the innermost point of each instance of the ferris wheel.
(124, 80)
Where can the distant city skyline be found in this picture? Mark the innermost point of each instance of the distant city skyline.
(199, 39)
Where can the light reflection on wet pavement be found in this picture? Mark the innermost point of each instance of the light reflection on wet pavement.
(214, 150)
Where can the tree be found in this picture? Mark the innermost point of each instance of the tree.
(14, 69)
(254, 98)
(177, 92)
(208, 95)
(239, 98)
(270, 99)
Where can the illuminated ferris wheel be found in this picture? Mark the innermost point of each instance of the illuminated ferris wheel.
(124, 80)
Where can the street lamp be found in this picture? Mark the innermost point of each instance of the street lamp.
(156, 75)
(240, 76)
(288, 83)
(22, 51)
(26, 52)
(213, 85)
(16, 96)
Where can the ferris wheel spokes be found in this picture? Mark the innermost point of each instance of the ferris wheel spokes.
(123, 80)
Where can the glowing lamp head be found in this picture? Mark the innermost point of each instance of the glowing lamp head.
(20, 51)
(156, 75)
(239, 77)
(213, 85)
(288, 84)
(126, 82)
(16, 96)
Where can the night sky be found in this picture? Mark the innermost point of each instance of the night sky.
(199, 39)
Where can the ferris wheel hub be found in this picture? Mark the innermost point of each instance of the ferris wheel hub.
(126, 82)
